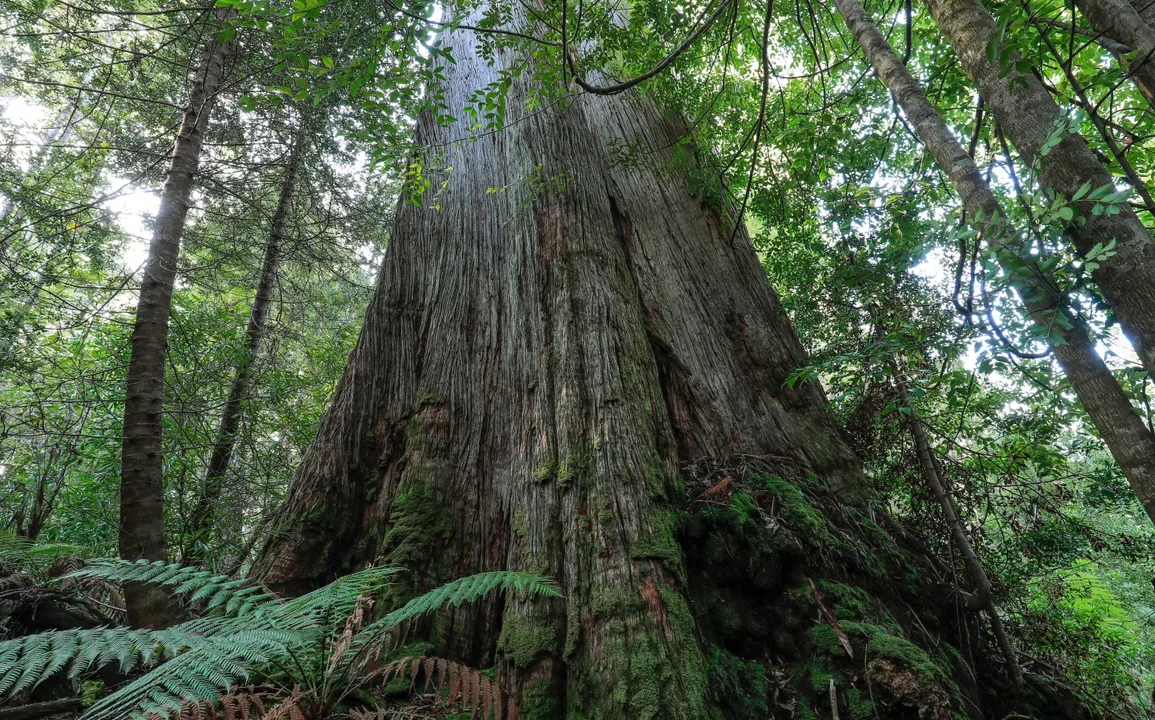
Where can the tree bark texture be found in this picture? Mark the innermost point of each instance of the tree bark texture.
(535, 365)
(1027, 113)
(202, 519)
(1146, 10)
(142, 483)
(1119, 20)
(1130, 441)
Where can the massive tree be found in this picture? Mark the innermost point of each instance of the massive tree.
(556, 349)
(534, 367)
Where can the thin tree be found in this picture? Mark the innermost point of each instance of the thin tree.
(1130, 441)
(142, 462)
(202, 519)
(1066, 164)
(983, 598)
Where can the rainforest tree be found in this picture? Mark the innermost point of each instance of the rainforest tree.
(777, 359)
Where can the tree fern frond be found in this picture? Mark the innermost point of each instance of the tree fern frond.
(471, 588)
(21, 554)
(203, 673)
(193, 583)
(190, 666)
(367, 643)
(335, 601)
(467, 589)
(450, 683)
(27, 661)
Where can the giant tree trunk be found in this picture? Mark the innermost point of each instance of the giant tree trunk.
(141, 475)
(534, 366)
(1028, 114)
(201, 521)
(539, 367)
(1130, 441)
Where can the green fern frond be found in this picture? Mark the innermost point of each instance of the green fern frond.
(471, 588)
(27, 661)
(328, 605)
(204, 673)
(253, 633)
(21, 554)
(193, 583)
(458, 592)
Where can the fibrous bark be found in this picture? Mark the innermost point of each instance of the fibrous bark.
(141, 478)
(576, 342)
(1130, 441)
(202, 518)
(1146, 10)
(1027, 113)
(533, 367)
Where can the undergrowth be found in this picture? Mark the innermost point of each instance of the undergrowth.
(315, 656)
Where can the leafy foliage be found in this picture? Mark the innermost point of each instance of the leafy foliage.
(315, 641)
(883, 275)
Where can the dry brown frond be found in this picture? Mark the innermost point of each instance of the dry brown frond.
(451, 683)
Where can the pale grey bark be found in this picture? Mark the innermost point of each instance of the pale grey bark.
(1129, 440)
(1119, 20)
(1146, 10)
(1027, 113)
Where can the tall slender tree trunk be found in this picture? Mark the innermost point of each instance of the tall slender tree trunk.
(1130, 441)
(202, 520)
(1119, 20)
(1028, 115)
(983, 599)
(141, 478)
(534, 367)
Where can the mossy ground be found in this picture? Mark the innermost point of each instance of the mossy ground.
(793, 593)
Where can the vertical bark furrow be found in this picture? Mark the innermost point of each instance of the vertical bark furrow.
(512, 344)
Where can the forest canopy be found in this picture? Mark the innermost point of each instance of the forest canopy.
(721, 359)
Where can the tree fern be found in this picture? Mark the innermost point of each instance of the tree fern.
(248, 634)
(458, 592)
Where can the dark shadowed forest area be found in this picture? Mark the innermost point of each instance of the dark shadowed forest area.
(577, 359)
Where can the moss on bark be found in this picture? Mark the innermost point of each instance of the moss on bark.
(791, 587)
